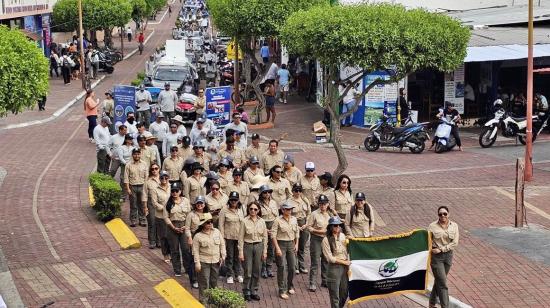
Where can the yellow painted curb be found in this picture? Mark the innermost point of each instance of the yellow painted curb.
(122, 234)
(91, 196)
(176, 295)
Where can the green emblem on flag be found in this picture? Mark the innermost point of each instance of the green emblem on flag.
(387, 269)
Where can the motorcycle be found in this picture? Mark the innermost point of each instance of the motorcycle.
(384, 134)
(511, 126)
(186, 108)
(444, 140)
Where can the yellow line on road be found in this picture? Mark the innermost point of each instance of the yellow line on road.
(527, 204)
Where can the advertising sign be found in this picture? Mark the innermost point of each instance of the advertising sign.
(381, 99)
(125, 102)
(454, 88)
(218, 105)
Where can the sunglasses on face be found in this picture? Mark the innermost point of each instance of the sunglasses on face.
(175, 190)
(155, 168)
(253, 209)
(277, 171)
(442, 214)
(287, 209)
(345, 182)
(214, 189)
(309, 170)
(164, 178)
(174, 150)
(209, 222)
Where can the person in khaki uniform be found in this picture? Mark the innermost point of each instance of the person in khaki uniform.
(200, 103)
(334, 250)
(184, 147)
(159, 198)
(147, 155)
(192, 221)
(216, 201)
(310, 184)
(253, 170)
(285, 236)
(194, 185)
(341, 198)
(199, 156)
(269, 212)
(256, 149)
(209, 253)
(326, 188)
(360, 221)
(224, 175)
(257, 182)
(239, 159)
(301, 211)
(230, 223)
(281, 187)
(175, 214)
(272, 157)
(149, 187)
(239, 186)
(252, 249)
(291, 173)
(173, 165)
(135, 175)
(444, 233)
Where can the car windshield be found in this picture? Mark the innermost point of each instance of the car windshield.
(172, 74)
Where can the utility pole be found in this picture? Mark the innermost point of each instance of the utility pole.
(122, 41)
(529, 131)
(82, 63)
(236, 77)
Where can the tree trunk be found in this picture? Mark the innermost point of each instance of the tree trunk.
(337, 144)
(332, 101)
(108, 39)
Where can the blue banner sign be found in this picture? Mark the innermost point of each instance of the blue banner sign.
(218, 105)
(125, 102)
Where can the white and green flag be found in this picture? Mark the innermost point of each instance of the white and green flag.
(387, 265)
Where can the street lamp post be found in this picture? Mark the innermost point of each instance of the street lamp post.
(529, 131)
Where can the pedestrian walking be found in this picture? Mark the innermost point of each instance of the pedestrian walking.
(216, 200)
(341, 197)
(159, 198)
(290, 172)
(192, 223)
(252, 249)
(42, 103)
(256, 148)
(135, 175)
(229, 225)
(143, 99)
(167, 100)
(94, 57)
(269, 94)
(101, 138)
(283, 77)
(253, 170)
(129, 33)
(239, 186)
(317, 223)
(199, 156)
(66, 65)
(300, 211)
(149, 191)
(91, 105)
(272, 157)
(194, 185)
(280, 186)
(169, 10)
(264, 53)
(224, 175)
(334, 250)
(54, 63)
(200, 103)
(141, 42)
(115, 142)
(173, 165)
(310, 184)
(445, 236)
(360, 221)
(159, 129)
(109, 109)
(170, 140)
(124, 155)
(269, 212)
(238, 158)
(285, 236)
(209, 253)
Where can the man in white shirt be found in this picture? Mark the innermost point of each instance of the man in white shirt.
(131, 124)
(170, 140)
(159, 129)
(211, 147)
(237, 125)
(143, 99)
(116, 141)
(199, 132)
(208, 124)
(101, 138)
(167, 101)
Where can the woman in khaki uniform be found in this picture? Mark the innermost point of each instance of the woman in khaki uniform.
(173, 165)
(175, 215)
(280, 186)
(334, 250)
(192, 221)
(444, 241)
(310, 184)
(184, 146)
(360, 221)
(341, 198)
(239, 186)
(224, 175)
(253, 170)
(252, 249)
(230, 224)
(301, 211)
(326, 188)
(216, 201)
(291, 173)
(194, 185)
(270, 211)
(257, 182)
(208, 253)
(285, 236)
(151, 184)
(158, 198)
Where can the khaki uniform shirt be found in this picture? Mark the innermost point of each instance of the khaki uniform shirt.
(254, 196)
(136, 173)
(269, 211)
(230, 223)
(446, 240)
(204, 160)
(301, 208)
(173, 167)
(159, 198)
(318, 221)
(243, 190)
(328, 191)
(340, 251)
(252, 232)
(269, 160)
(361, 226)
(281, 190)
(285, 230)
(342, 201)
(178, 212)
(249, 174)
(215, 204)
(193, 187)
(293, 175)
(256, 151)
(237, 154)
(224, 180)
(150, 185)
(208, 248)
(148, 155)
(192, 222)
(185, 152)
(311, 187)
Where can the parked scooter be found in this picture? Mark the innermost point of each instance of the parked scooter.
(444, 140)
(384, 134)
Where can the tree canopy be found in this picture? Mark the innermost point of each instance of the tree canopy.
(96, 14)
(23, 72)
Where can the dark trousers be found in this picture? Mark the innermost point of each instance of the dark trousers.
(207, 278)
(285, 265)
(103, 162)
(232, 261)
(180, 251)
(266, 265)
(161, 230)
(136, 206)
(454, 132)
(302, 242)
(92, 122)
(159, 146)
(54, 69)
(66, 71)
(252, 266)
(152, 236)
(316, 253)
(337, 281)
(441, 264)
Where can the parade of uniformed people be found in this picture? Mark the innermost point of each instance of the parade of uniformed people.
(274, 153)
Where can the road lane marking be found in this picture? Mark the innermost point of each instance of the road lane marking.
(527, 204)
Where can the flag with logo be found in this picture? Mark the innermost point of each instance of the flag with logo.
(382, 266)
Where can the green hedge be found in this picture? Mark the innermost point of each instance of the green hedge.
(222, 298)
(139, 79)
(107, 195)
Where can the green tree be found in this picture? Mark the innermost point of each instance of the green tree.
(139, 10)
(247, 20)
(152, 7)
(23, 72)
(379, 37)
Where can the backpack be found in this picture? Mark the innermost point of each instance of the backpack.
(66, 63)
(53, 62)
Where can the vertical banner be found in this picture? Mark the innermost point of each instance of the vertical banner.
(381, 99)
(125, 102)
(218, 105)
(454, 88)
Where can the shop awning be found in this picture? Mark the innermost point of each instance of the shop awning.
(33, 36)
(505, 52)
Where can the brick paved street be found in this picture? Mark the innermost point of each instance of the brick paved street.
(59, 253)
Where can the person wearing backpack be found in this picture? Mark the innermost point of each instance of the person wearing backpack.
(54, 63)
(66, 64)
